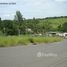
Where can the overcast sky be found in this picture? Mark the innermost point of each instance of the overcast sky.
(33, 8)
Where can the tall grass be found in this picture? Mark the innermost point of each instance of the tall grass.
(46, 39)
(6, 41)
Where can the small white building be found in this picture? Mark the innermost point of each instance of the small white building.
(57, 34)
(51, 33)
(65, 34)
(29, 30)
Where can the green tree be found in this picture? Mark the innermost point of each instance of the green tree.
(0, 23)
(18, 17)
(64, 27)
(0, 19)
(9, 27)
(60, 28)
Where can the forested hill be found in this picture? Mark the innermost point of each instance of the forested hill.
(20, 25)
(54, 21)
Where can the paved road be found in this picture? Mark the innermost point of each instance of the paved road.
(41, 55)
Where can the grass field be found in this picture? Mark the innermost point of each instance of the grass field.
(6, 41)
(55, 22)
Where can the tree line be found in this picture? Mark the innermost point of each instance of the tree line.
(20, 26)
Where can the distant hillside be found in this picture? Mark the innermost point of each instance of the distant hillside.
(55, 21)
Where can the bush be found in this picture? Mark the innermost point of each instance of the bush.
(6, 41)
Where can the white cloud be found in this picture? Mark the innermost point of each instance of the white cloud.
(8, 0)
(35, 8)
(60, 0)
(8, 15)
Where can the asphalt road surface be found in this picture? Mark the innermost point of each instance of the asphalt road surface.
(41, 55)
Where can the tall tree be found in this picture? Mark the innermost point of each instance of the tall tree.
(18, 17)
(0, 19)
(0, 23)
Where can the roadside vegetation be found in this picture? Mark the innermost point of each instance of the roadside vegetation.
(21, 26)
(19, 30)
(6, 41)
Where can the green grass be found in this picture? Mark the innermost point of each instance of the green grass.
(55, 22)
(46, 39)
(6, 41)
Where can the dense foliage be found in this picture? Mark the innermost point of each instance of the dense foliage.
(20, 25)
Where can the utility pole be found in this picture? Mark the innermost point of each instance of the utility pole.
(4, 29)
(19, 32)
